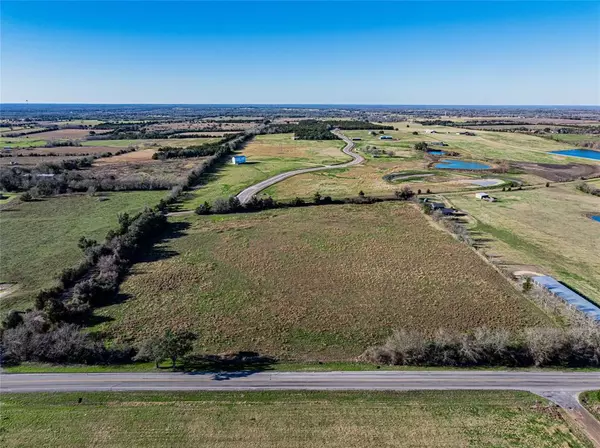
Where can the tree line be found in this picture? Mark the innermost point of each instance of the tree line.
(540, 347)
(232, 204)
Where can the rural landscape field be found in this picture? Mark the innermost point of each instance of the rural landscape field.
(337, 419)
(218, 235)
(300, 224)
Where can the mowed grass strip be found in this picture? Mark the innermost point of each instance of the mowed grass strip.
(39, 239)
(313, 283)
(290, 419)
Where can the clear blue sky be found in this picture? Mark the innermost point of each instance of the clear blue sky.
(301, 52)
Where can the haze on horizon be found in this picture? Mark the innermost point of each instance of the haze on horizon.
(429, 53)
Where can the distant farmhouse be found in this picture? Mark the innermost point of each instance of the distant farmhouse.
(430, 131)
(238, 160)
(485, 197)
(356, 139)
(385, 137)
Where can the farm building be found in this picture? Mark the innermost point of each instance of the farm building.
(485, 197)
(238, 160)
(385, 137)
(356, 139)
(568, 295)
(430, 131)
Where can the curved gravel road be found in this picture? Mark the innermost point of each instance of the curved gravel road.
(247, 194)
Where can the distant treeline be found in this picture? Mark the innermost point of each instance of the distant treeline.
(305, 130)
(357, 125)
(207, 149)
(24, 132)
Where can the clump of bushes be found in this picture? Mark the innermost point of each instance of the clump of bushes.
(587, 188)
(37, 339)
(540, 347)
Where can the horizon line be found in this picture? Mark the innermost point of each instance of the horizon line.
(298, 104)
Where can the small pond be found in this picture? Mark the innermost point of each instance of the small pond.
(436, 152)
(585, 153)
(461, 165)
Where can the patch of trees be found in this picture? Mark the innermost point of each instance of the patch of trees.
(171, 345)
(421, 146)
(588, 188)
(356, 125)
(207, 149)
(376, 152)
(61, 143)
(305, 130)
(540, 347)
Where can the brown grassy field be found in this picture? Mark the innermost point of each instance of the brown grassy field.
(138, 166)
(32, 161)
(141, 155)
(68, 134)
(312, 283)
(293, 419)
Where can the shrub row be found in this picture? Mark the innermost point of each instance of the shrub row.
(233, 205)
(588, 188)
(574, 347)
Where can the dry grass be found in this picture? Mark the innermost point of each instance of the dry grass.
(29, 161)
(286, 419)
(139, 166)
(313, 283)
(142, 155)
(68, 134)
(546, 228)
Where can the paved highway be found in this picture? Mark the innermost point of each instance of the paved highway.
(247, 194)
(537, 382)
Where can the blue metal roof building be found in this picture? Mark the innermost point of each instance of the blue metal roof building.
(568, 295)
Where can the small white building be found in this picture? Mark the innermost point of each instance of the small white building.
(482, 195)
(430, 131)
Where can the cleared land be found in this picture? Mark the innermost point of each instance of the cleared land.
(39, 238)
(21, 142)
(290, 419)
(68, 134)
(138, 167)
(149, 143)
(31, 161)
(312, 283)
(546, 228)
(268, 155)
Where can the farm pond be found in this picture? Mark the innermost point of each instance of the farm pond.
(461, 165)
(585, 153)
